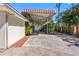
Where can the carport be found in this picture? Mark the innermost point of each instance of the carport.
(39, 18)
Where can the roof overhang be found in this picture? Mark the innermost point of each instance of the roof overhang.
(11, 11)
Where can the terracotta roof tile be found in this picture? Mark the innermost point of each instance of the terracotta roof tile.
(39, 11)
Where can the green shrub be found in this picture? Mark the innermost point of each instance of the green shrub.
(28, 30)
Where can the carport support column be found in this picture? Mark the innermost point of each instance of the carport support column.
(47, 27)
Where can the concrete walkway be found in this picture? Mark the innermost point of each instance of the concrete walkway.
(44, 45)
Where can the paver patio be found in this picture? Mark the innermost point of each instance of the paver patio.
(43, 44)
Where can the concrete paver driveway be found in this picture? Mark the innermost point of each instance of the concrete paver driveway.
(52, 42)
(31, 51)
(43, 45)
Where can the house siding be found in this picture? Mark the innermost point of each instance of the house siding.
(16, 30)
(3, 30)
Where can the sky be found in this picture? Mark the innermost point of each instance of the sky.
(45, 6)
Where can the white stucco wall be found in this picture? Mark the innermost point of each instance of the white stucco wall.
(16, 30)
(2, 30)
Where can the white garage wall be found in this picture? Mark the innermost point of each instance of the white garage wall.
(16, 30)
(2, 30)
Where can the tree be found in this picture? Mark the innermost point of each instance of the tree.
(70, 17)
(27, 15)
